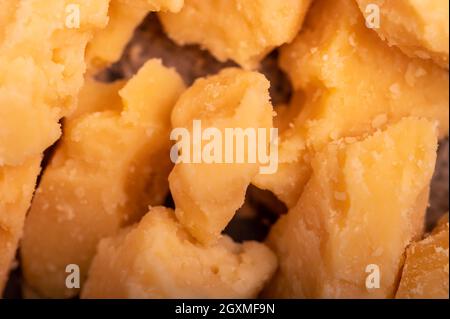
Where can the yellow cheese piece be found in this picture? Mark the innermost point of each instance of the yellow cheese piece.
(42, 49)
(349, 83)
(425, 273)
(97, 96)
(241, 30)
(109, 167)
(17, 185)
(207, 195)
(419, 28)
(293, 168)
(363, 205)
(42, 53)
(108, 44)
(329, 60)
(287, 183)
(159, 259)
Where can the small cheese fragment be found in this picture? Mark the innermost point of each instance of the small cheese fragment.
(363, 205)
(207, 195)
(287, 183)
(425, 273)
(418, 28)
(97, 96)
(348, 83)
(294, 169)
(108, 168)
(109, 43)
(159, 259)
(241, 30)
(17, 185)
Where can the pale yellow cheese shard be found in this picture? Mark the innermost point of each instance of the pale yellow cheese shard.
(97, 96)
(349, 83)
(419, 28)
(159, 259)
(287, 183)
(363, 205)
(425, 273)
(110, 165)
(108, 44)
(294, 168)
(42, 51)
(328, 61)
(207, 195)
(240, 30)
(16, 189)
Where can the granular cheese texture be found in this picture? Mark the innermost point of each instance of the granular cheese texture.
(41, 72)
(241, 30)
(207, 195)
(363, 205)
(17, 185)
(348, 83)
(158, 259)
(425, 273)
(419, 28)
(110, 165)
(42, 52)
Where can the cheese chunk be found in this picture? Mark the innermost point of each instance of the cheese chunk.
(17, 185)
(418, 28)
(241, 30)
(41, 71)
(97, 97)
(349, 83)
(159, 259)
(108, 44)
(108, 168)
(207, 195)
(294, 168)
(362, 206)
(42, 51)
(425, 274)
(329, 60)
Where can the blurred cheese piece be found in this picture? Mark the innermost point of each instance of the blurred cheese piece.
(110, 165)
(241, 30)
(425, 274)
(108, 44)
(42, 50)
(17, 185)
(363, 205)
(419, 28)
(348, 83)
(207, 195)
(159, 259)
